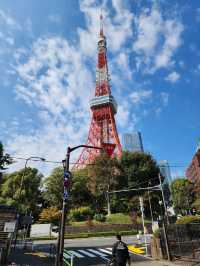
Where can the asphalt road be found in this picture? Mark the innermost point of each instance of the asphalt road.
(92, 241)
(89, 251)
(101, 256)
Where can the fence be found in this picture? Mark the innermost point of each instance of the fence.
(184, 240)
(68, 258)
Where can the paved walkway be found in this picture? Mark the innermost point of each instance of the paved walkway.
(30, 258)
(151, 262)
(25, 258)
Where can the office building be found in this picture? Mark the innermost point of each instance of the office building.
(132, 142)
(165, 171)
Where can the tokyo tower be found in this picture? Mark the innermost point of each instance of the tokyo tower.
(103, 131)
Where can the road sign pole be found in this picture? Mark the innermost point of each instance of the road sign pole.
(142, 211)
(64, 208)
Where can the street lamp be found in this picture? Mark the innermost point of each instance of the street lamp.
(60, 247)
(35, 158)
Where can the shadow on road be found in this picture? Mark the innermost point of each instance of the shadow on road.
(27, 258)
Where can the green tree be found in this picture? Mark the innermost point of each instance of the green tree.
(182, 191)
(5, 160)
(53, 188)
(26, 197)
(103, 176)
(49, 215)
(79, 192)
(139, 169)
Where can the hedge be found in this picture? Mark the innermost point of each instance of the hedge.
(189, 219)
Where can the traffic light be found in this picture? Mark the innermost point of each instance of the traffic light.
(66, 184)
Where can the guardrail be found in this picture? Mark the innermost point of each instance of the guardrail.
(68, 258)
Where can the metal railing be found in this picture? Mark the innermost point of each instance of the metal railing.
(68, 258)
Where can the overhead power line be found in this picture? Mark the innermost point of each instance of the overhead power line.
(157, 187)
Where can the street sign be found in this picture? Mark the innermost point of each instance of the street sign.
(67, 174)
(9, 227)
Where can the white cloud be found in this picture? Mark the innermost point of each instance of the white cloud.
(117, 30)
(157, 39)
(55, 18)
(8, 20)
(139, 97)
(56, 80)
(120, 64)
(198, 14)
(49, 77)
(158, 111)
(123, 114)
(173, 77)
(165, 98)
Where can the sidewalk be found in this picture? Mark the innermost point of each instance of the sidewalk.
(151, 262)
(30, 258)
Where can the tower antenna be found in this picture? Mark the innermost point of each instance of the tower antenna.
(101, 22)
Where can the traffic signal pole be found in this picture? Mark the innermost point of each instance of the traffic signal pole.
(66, 185)
(61, 233)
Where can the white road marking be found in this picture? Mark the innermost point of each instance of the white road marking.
(66, 256)
(87, 253)
(106, 251)
(98, 253)
(76, 254)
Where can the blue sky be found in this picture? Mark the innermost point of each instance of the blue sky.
(47, 63)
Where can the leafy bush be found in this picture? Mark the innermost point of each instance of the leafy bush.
(100, 217)
(157, 233)
(188, 219)
(118, 218)
(49, 215)
(80, 214)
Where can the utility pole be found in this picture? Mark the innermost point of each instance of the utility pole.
(142, 211)
(150, 207)
(108, 202)
(165, 235)
(163, 197)
(66, 186)
(64, 208)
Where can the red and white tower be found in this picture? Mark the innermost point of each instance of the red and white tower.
(103, 131)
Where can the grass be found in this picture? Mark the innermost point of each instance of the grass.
(115, 218)
(94, 222)
(119, 218)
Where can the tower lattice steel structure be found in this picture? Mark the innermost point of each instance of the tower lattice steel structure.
(103, 131)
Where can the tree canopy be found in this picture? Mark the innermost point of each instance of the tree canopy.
(5, 160)
(182, 191)
(139, 169)
(53, 188)
(25, 197)
(103, 174)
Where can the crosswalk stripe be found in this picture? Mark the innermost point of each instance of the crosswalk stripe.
(75, 253)
(109, 248)
(97, 252)
(87, 253)
(66, 256)
(104, 250)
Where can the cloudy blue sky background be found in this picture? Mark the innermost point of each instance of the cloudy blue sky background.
(47, 64)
